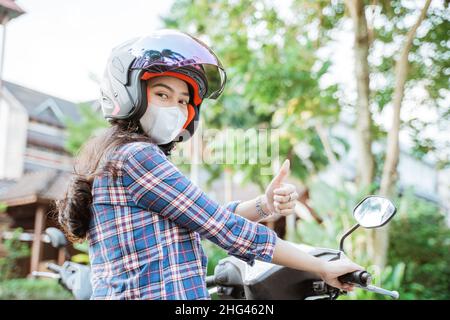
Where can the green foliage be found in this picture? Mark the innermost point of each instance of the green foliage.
(83, 247)
(421, 239)
(80, 132)
(418, 256)
(429, 68)
(391, 279)
(335, 207)
(81, 257)
(3, 207)
(15, 250)
(214, 254)
(274, 74)
(33, 289)
(275, 71)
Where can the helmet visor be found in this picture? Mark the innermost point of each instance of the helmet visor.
(173, 49)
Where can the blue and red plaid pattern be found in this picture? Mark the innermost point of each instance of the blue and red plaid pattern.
(146, 227)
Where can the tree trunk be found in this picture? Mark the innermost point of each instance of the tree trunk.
(324, 138)
(365, 166)
(381, 236)
(365, 161)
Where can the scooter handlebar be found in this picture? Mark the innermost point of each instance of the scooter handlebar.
(362, 278)
(210, 281)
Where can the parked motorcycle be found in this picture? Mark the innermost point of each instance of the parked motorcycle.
(74, 277)
(235, 279)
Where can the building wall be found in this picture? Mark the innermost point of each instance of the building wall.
(39, 156)
(27, 144)
(13, 135)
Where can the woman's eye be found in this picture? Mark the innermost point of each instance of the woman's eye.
(184, 103)
(162, 95)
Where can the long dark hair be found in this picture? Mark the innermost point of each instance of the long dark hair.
(73, 210)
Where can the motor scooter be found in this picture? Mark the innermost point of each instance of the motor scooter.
(74, 277)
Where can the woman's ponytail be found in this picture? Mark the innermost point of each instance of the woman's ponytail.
(74, 209)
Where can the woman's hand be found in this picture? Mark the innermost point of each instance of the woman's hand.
(334, 269)
(288, 255)
(280, 197)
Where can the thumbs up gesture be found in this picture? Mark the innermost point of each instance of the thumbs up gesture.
(280, 196)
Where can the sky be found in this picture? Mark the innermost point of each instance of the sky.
(57, 45)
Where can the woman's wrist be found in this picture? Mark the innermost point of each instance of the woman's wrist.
(265, 204)
(322, 267)
(262, 208)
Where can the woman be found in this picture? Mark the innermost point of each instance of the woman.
(142, 217)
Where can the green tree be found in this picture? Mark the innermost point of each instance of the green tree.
(413, 55)
(15, 250)
(421, 225)
(274, 75)
(3, 207)
(80, 132)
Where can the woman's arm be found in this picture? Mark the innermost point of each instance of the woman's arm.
(288, 255)
(156, 185)
(247, 209)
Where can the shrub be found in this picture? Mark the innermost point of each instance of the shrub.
(15, 250)
(420, 238)
(214, 253)
(33, 289)
(418, 256)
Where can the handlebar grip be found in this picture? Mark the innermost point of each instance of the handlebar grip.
(53, 267)
(210, 281)
(362, 278)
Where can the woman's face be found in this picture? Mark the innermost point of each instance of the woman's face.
(168, 91)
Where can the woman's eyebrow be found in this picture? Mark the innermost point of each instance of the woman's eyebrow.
(167, 87)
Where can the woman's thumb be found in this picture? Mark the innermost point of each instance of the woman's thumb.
(283, 172)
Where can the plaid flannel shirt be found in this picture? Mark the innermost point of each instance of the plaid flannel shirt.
(146, 227)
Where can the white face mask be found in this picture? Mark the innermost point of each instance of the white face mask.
(163, 124)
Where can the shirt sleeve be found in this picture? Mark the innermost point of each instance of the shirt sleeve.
(231, 206)
(155, 184)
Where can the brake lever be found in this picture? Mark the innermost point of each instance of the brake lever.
(372, 288)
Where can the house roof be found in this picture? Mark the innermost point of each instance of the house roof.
(13, 9)
(37, 186)
(44, 107)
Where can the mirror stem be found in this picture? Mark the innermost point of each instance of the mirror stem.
(341, 245)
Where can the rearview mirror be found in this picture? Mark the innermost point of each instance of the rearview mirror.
(57, 237)
(374, 212)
